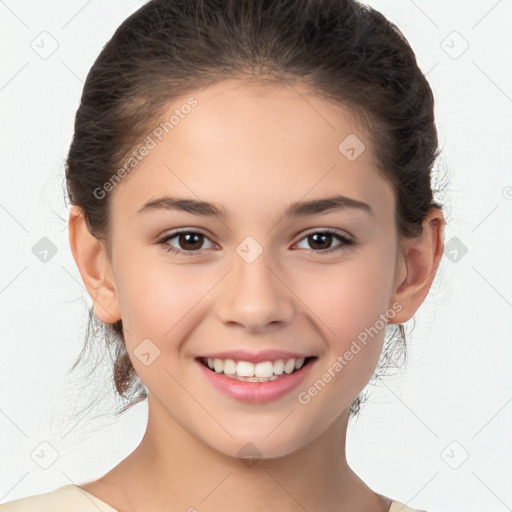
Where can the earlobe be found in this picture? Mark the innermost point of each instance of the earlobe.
(420, 259)
(90, 256)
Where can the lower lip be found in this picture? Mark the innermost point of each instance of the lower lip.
(256, 392)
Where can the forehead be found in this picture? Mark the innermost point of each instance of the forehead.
(279, 141)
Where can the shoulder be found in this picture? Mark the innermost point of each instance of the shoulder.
(68, 498)
(396, 506)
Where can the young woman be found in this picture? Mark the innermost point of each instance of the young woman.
(252, 214)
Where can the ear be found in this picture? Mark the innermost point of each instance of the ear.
(417, 266)
(92, 261)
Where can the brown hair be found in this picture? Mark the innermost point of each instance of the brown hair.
(345, 51)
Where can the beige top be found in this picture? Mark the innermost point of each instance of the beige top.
(71, 498)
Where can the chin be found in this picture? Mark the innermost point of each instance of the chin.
(251, 448)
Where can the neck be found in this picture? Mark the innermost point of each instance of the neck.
(170, 466)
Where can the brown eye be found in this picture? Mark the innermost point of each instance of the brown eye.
(321, 241)
(189, 242)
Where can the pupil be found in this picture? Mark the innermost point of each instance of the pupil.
(187, 242)
(324, 236)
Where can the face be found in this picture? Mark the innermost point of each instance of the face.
(255, 278)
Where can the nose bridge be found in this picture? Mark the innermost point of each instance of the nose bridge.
(253, 294)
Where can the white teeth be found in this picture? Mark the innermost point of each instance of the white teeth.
(245, 369)
(229, 367)
(218, 365)
(253, 379)
(299, 362)
(259, 372)
(278, 367)
(265, 369)
(289, 366)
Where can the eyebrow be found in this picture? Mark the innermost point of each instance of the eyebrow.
(298, 209)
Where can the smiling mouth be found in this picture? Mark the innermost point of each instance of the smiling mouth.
(249, 373)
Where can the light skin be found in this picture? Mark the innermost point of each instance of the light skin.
(253, 149)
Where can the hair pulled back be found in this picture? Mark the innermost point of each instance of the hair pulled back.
(345, 51)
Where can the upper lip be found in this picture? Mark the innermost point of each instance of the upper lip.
(256, 357)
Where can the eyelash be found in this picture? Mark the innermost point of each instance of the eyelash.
(346, 242)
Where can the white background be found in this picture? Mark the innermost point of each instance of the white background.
(452, 401)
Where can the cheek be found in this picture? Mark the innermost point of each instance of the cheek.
(156, 299)
(159, 302)
(349, 297)
(164, 303)
(348, 300)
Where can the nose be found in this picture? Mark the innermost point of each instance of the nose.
(254, 295)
